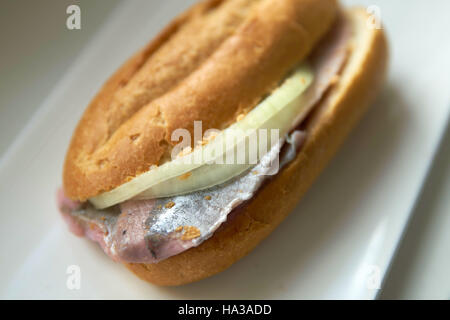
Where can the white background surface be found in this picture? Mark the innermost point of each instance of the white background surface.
(327, 245)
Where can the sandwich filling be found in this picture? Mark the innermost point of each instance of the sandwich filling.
(221, 155)
(148, 231)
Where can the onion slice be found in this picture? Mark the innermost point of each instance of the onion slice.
(206, 166)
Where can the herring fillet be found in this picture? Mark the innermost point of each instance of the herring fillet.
(146, 230)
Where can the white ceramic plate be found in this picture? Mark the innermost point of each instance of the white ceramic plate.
(337, 244)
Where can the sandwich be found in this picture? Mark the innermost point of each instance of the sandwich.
(199, 145)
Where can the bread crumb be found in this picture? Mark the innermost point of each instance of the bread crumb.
(185, 176)
(190, 232)
(202, 143)
(255, 172)
(169, 204)
(207, 197)
(179, 229)
(240, 117)
(159, 206)
(302, 80)
(207, 139)
(185, 152)
(102, 218)
(211, 136)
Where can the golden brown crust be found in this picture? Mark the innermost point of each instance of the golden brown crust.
(211, 64)
(330, 123)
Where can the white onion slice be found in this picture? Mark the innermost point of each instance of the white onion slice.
(183, 175)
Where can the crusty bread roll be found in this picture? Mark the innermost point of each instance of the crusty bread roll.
(213, 63)
(331, 121)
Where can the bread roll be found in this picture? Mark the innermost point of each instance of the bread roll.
(330, 123)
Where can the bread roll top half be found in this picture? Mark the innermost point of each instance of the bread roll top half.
(211, 64)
